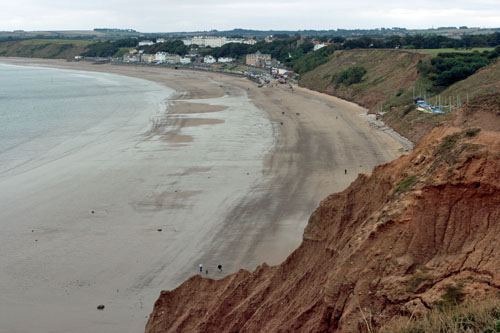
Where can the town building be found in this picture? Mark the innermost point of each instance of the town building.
(215, 41)
(172, 59)
(209, 60)
(208, 41)
(241, 40)
(145, 43)
(225, 60)
(166, 58)
(185, 60)
(161, 40)
(203, 41)
(128, 57)
(161, 57)
(319, 45)
(258, 59)
(148, 58)
(269, 38)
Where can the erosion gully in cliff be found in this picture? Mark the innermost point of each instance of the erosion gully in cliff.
(389, 245)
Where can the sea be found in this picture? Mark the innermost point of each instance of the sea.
(43, 108)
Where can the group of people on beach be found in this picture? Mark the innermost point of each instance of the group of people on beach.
(219, 267)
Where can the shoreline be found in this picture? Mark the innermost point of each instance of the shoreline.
(315, 140)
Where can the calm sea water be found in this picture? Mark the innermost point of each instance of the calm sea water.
(40, 108)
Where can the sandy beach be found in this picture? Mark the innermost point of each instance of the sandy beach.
(229, 175)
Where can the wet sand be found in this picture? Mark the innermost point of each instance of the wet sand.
(182, 194)
(188, 108)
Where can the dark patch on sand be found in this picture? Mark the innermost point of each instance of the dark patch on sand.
(189, 108)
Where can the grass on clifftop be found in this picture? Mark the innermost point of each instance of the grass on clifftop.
(43, 48)
(388, 76)
(76, 42)
(437, 51)
(481, 316)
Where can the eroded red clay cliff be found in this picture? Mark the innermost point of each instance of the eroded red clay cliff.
(388, 244)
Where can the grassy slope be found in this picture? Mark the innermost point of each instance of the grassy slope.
(485, 81)
(415, 125)
(437, 51)
(479, 316)
(389, 73)
(43, 48)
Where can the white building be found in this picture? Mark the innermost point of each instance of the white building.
(225, 60)
(269, 38)
(241, 40)
(250, 41)
(318, 46)
(161, 57)
(203, 41)
(185, 60)
(207, 41)
(145, 43)
(200, 41)
(215, 41)
(161, 40)
(209, 60)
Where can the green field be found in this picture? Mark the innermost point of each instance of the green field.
(76, 42)
(44, 48)
(436, 51)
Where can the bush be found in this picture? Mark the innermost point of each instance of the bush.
(448, 68)
(452, 296)
(351, 76)
(470, 132)
(416, 280)
(311, 60)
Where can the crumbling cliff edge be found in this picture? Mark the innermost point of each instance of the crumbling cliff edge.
(390, 244)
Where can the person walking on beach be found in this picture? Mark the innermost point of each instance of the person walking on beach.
(201, 268)
(219, 267)
(206, 272)
(345, 170)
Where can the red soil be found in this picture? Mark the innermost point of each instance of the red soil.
(387, 245)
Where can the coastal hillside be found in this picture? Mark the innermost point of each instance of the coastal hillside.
(482, 111)
(479, 87)
(388, 80)
(368, 77)
(42, 48)
(485, 81)
(419, 233)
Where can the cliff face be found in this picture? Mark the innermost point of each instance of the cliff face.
(389, 244)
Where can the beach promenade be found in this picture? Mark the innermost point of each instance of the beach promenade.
(229, 175)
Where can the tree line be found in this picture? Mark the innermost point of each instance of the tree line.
(448, 68)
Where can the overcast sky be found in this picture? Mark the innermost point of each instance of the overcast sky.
(191, 15)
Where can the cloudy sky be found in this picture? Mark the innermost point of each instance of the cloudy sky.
(190, 15)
